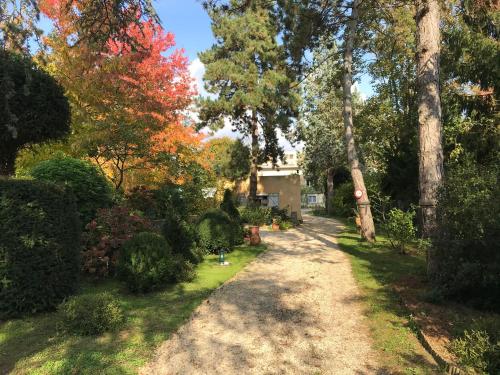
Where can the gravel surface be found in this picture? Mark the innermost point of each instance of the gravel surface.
(294, 310)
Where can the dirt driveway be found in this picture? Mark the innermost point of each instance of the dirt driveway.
(294, 310)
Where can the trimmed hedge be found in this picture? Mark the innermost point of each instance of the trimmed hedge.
(91, 189)
(216, 231)
(181, 237)
(39, 246)
(91, 314)
(227, 205)
(147, 263)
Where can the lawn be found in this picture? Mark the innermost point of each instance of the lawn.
(33, 345)
(377, 270)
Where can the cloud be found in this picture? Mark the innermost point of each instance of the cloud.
(197, 70)
(357, 89)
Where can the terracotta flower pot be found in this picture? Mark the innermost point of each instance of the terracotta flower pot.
(276, 226)
(255, 229)
(255, 236)
(254, 239)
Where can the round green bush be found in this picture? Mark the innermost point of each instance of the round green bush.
(147, 263)
(39, 246)
(216, 231)
(400, 229)
(91, 314)
(91, 189)
(181, 237)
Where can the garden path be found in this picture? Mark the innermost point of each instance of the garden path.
(294, 310)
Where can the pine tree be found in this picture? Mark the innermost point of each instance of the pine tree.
(247, 71)
(304, 24)
(431, 169)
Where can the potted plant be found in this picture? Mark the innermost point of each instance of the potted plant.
(276, 223)
(255, 220)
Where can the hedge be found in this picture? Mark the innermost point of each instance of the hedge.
(91, 189)
(39, 246)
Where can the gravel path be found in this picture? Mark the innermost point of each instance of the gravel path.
(294, 310)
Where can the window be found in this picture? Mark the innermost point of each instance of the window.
(273, 200)
(311, 199)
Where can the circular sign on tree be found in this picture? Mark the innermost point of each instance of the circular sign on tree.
(358, 194)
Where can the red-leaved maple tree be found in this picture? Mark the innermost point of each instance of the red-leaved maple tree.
(128, 100)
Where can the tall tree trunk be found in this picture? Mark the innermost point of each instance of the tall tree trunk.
(254, 132)
(367, 225)
(429, 116)
(8, 161)
(329, 190)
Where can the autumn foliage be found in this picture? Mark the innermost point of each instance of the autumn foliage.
(129, 99)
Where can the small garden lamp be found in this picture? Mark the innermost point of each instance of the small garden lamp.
(222, 252)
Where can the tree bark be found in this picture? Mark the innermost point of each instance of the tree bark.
(329, 190)
(254, 132)
(429, 116)
(367, 225)
(8, 162)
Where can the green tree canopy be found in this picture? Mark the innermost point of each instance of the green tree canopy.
(246, 71)
(231, 158)
(34, 108)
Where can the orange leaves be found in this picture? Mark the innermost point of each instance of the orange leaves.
(177, 135)
(128, 98)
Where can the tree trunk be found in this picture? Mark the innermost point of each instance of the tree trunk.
(8, 162)
(429, 116)
(329, 190)
(254, 132)
(367, 225)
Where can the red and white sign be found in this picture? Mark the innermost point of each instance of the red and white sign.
(358, 194)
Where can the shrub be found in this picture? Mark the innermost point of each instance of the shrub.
(91, 189)
(256, 215)
(143, 199)
(227, 205)
(286, 224)
(281, 213)
(91, 314)
(476, 350)
(184, 270)
(39, 246)
(147, 263)
(181, 237)
(343, 202)
(104, 238)
(216, 231)
(468, 234)
(400, 229)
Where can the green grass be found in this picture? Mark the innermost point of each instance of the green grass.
(33, 345)
(376, 268)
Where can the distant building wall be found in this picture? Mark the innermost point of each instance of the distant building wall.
(313, 200)
(287, 188)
